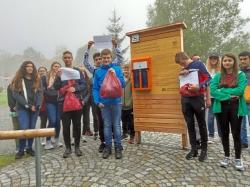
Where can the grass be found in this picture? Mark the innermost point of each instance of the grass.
(6, 160)
(3, 99)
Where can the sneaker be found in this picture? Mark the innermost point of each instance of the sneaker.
(198, 144)
(224, 163)
(203, 156)
(239, 165)
(101, 147)
(78, 152)
(118, 153)
(210, 140)
(19, 155)
(244, 146)
(124, 136)
(58, 143)
(131, 141)
(88, 133)
(106, 152)
(84, 139)
(30, 152)
(53, 140)
(43, 140)
(48, 145)
(192, 154)
(66, 153)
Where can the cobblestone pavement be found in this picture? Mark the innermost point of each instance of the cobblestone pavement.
(158, 161)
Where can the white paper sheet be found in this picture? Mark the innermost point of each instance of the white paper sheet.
(191, 78)
(69, 74)
(103, 42)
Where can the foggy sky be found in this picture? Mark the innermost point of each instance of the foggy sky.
(47, 24)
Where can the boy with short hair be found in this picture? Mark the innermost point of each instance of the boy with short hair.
(98, 121)
(244, 58)
(193, 104)
(74, 116)
(110, 107)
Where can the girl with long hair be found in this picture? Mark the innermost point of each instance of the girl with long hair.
(51, 104)
(28, 95)
(213, 67)
(42, 71)
(227, 88)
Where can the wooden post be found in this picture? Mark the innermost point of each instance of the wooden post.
(184, 141)
(138, 137)
(26, 134)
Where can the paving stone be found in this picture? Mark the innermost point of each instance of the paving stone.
(158, 161)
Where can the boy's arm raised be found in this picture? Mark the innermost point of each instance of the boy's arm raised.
(86, 63)
(119, 59)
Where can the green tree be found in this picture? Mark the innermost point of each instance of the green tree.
(115, 28)
(35, 56)
(212, 25)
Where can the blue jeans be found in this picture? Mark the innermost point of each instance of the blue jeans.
(244, 126)
(53, 114)
(27, 120)
(210, 121)
(111, 115)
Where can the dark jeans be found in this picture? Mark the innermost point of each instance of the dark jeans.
(43, 119)
(85, 117)
(100, 123)
(195, 106)
(94, 114)
(229, 115)
(128, 122)
(75, 117)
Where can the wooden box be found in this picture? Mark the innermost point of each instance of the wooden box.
(159, 109)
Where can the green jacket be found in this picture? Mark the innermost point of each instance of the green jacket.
(223, 94)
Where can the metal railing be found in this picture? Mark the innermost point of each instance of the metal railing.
(26, 134)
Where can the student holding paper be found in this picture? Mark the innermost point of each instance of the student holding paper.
(227, 88)
(98, 121)
(193, 103)
(67, 87)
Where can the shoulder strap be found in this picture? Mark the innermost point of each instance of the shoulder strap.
(24, 90)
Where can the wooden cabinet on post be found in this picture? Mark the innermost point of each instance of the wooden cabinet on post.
(156, 98)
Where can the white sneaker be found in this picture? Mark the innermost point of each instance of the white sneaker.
(239, 165)
(224, 163)
(53, 140)
(43, 140)
(84, 139)
(210, 140)
(58, 143)
(48, 146)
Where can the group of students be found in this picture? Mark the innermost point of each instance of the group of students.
(221, 88)
(34, 93)
(224, 88)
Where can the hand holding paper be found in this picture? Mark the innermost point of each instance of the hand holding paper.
(191, 78)
(69, 74)
(102, 42)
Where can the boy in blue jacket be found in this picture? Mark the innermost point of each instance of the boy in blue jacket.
(110, 107)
